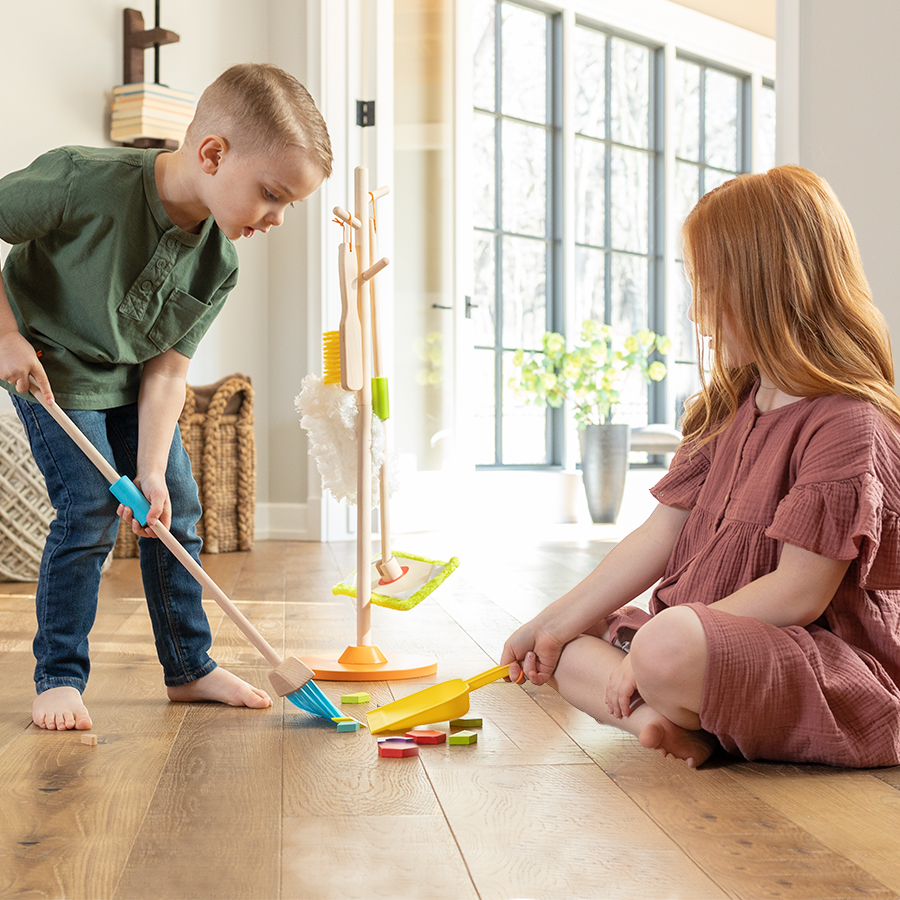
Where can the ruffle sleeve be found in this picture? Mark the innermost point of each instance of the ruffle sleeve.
(844, 520)
(687, 473)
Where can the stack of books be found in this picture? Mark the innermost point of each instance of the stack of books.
(145, 111)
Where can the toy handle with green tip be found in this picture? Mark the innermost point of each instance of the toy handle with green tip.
(129, 495)
(487, 677)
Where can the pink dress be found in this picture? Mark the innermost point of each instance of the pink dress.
(822, 474)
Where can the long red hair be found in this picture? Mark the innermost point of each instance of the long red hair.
(777, 252)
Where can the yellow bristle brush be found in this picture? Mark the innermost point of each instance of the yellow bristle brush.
(342, 358)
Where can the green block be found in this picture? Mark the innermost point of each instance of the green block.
(348, 726)
(466, 723)
(358, 697)
(463, 737)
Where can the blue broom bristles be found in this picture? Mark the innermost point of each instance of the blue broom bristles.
(311, 700)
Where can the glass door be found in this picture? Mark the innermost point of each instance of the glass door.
(427, 311)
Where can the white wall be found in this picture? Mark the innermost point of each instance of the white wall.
(58, 63)
(838, 71)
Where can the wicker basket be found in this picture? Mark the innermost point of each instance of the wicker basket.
(25, 509)
(217, 432)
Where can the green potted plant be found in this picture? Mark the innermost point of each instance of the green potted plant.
(589, 376)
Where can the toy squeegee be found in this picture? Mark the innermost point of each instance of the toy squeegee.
(291, 678)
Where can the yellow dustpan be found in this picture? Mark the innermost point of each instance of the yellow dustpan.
(438, 703)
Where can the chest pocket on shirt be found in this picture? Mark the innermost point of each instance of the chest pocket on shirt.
(179, 314)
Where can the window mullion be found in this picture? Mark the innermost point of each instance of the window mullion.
(670, 237)
(702, 136)
(569, 451)
(498, 220)
(607, 175)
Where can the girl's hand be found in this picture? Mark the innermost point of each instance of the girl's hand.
(154, 488)
(534, 651)
(19, 362)
(621, 690)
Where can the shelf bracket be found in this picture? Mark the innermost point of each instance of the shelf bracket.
(137, 39)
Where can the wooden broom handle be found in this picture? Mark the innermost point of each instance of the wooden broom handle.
(163, 533)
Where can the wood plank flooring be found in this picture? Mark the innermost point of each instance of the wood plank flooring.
(201, 801)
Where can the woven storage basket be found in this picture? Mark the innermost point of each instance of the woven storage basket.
(25, 509)
(217, 432)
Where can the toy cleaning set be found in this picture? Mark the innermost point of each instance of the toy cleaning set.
(345, 413)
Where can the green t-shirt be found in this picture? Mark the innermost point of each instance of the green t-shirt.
(99, 278)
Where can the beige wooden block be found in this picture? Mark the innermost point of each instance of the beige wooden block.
(90, 739)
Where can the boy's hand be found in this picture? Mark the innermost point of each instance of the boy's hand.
(153, 487)
(19, 363)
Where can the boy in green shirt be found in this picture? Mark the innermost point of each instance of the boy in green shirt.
(121, 260)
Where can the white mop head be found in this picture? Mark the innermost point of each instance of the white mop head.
(328, 413)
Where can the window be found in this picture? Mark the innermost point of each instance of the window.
(616, 194)
(513, 205)
(709, 149)
(615, 172)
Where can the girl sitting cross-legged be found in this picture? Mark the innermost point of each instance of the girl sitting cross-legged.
(774, 625)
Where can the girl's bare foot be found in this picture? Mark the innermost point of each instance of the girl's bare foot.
(60, 709)
(220, 686)
(695, 747)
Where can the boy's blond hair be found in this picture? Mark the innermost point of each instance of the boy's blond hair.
(260, 108)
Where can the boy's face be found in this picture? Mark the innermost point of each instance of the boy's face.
(249, 193)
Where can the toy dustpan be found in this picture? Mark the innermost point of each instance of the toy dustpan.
(438, 703)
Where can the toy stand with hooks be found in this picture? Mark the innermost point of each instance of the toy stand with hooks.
(364, 661)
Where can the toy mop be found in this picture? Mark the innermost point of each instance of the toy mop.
(290, 678)
(401, 580)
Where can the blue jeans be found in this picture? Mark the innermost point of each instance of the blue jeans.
(82, 536)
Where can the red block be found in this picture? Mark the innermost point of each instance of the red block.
(397, 749)
(426, 736)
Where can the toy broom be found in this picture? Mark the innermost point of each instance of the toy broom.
(290, 678)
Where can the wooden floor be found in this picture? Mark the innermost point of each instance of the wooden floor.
(200, 801)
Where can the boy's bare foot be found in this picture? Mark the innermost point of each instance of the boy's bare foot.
(60, 709)
(220, 686)
(695, 747)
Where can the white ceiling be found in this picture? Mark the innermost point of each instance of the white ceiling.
(754, 15)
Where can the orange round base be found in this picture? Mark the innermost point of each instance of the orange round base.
(396, 666)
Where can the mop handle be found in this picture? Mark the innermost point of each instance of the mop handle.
(128, 491)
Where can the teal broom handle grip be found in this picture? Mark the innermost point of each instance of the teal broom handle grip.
(125, 491)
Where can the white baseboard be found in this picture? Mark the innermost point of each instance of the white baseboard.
(319, 519)
(286, 522)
